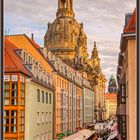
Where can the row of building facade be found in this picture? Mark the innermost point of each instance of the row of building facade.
(43, 95)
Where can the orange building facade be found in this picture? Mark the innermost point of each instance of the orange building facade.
(110, 105)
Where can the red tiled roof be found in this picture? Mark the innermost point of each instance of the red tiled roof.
(131, 26)
(12, 63)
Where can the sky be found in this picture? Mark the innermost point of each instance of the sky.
(103, 22)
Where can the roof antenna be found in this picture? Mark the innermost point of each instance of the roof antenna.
(32, 36)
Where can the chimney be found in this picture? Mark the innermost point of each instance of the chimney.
(32, 36)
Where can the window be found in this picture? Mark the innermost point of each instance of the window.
(22, 93)
(50, 98)
(50, 117)
(13, 121)
(14, 94)
(42, 96)
(6, 121)
(46, 117)
(7, 94)
(21, 120)
(10, 121)
(46, 136)
(38, 119)
(42, 117)
(38, 95)
(46, 97)
(60, 83)
(57, 81)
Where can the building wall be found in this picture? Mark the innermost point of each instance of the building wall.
(87, 106)
(38, 112)
(131, 90)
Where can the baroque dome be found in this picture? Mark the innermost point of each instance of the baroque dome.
(65, 35)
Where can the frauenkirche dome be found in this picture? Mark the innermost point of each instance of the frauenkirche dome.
(65, 33)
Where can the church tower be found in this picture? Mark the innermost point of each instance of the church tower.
(95, 59)
(62, 36)
(112, 87)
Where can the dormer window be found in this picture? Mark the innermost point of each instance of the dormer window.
(50, 80)
(40, 74)
(47, 79)
(33, 60)
(43, 76)
(24, 56)
(19, 52)
(29, 59)
(30, 67)
(35, 71)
